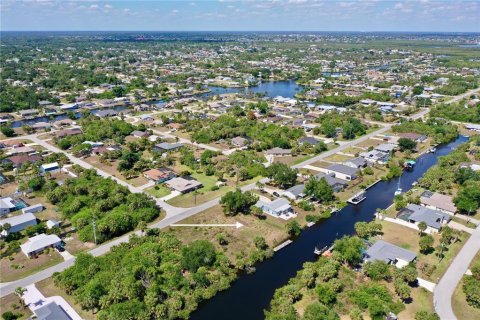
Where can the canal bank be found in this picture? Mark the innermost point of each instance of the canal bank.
(251, 294)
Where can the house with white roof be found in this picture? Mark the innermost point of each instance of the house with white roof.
(18, 223)
(278, 208)
(49, 168)
(39, 243)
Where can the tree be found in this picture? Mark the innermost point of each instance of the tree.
(406, 144)
(319, 189)
(422, 226)
(318, 311)
(326, 294)
(367, 229)
(293, 228)
(471, 288)
(424, 315)
(260, 243)
(19, 291)
(408, 273)
(282, 174)
(7, 131)
(349, 250)
(235, 202)
(417, 90)
(402, 289)
(197, 254)
(377, 270)
(425, 243)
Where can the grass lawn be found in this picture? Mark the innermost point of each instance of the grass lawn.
(11, 302)
(49, 289)
(429, 266)
(272, 229)
(201, 196)
(337, 158)
(422, 300)
(369, 143)
(30, 266)
(158, 191)
(352, 150)
(460, 306)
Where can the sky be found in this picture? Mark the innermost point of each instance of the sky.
(241, 15)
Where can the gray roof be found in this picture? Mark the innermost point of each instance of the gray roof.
(296, 190)
(39, 242)
(280, 151)
(168, 146)
(358, 161)
(387, 252)
(309, 140)
(20, 219)
(331, 180)
(432, 218)
(51, 311)
(386, 147)
(279, 204)
(343, 169)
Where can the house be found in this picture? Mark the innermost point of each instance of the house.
(19, 160)
(7, 205)
(357, 163)
(240, 142)
(165, 146)
(28, 113)
(106, 113)
(21, 150)
(389, 253)
(374, 156)
(386, 147)
(438, 201)
(51, 311)
(41, 125)
(310, 140)
(53, 167)
(278, 152)
(159, 175)
(68, 132)
(434, 219)
(309, 126)
(34, 209)
(52, 223)
(37, 244)
(278, 207)
(295, 192)
(183, 185)
(343, 172)
(18, 223)
(472, 127)
(336, 184)
(413, 136)
(140, 134)
(66, 107)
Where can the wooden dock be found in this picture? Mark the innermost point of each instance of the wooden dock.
(282, 245)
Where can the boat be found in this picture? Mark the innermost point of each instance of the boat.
(318, 251)
(359, 197)
(399, 190)
(432, 150)
(409, 164)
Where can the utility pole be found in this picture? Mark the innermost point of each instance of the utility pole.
(195, 194)
(94, 231)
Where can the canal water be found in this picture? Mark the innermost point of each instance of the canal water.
(271, 89)
(251, 294)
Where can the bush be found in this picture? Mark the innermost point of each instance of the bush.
(9, 315)
(471, 288)
(214, 188)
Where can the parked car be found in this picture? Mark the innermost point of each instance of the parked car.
(276, 194)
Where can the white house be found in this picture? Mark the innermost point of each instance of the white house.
(37, 244)
(49, 168)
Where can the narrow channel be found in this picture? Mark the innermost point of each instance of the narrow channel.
(251, 294)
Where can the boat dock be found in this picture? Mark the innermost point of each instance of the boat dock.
(359, 197)
(282, 245)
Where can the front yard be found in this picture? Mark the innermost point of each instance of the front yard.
(19, 266)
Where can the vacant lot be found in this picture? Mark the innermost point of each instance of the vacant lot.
(12, 303)
(158, 191)
(369, 143)
(460, 306)
(21, 266)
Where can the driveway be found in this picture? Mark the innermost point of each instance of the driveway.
(442, 295)
(34, 299)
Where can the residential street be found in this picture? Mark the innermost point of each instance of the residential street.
(442, 295)
(173, 214)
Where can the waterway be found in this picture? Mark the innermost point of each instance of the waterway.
(251, 294)
(271, 89)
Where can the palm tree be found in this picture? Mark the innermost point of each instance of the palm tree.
(19, 291)
(422, 226)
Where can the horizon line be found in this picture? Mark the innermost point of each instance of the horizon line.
(359, 31)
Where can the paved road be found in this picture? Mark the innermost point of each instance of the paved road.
(462, 96)
(442, 295)
(174, 214)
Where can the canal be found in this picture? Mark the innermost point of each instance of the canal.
(251, 294)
